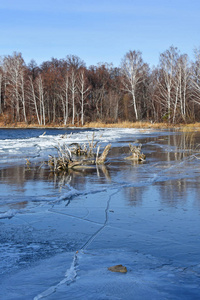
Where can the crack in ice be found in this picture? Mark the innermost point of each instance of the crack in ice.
(71, 273)
(70, 277)
(104, 224)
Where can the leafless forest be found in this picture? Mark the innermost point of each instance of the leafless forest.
(65, 91)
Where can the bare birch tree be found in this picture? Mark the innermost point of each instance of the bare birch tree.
(83, 88)
(195, 79)
(33, 98)
(131, 67)
(74, 64)
(182, 82)
(13, 68)
(65, 98)
(73, 89)
(23, 96)
(168, 64)
(40, 88)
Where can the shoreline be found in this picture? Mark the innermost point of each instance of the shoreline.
(139, 125)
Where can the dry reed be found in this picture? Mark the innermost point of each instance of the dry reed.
(98, 124)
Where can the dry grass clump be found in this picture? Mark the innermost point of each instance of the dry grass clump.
(31, 125)
(128, 124)
(146, 125)
(99, 124)
(24, 125)
(190, 127)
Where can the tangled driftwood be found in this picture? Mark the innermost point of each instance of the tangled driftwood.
(78, 149)
(136, 153)
(88, 150)
(77, 156)
(64, 161)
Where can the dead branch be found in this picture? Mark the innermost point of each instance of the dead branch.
(64, 161)
(103, 156)
(85, 149)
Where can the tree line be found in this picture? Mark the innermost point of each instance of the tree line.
(66, 92)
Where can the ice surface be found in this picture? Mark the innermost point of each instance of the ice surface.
(60, 233)
(147, 278)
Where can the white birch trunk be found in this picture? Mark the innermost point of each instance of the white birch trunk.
(34, 100)
(23, 98)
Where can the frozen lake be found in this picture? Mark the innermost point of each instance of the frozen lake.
(60, 233)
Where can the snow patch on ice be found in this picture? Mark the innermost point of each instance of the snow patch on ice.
(73, 193)
(8, 214)
(17, 149)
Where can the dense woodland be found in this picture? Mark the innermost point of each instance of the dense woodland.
(66, 92)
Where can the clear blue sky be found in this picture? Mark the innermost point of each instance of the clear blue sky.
(98, 30)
